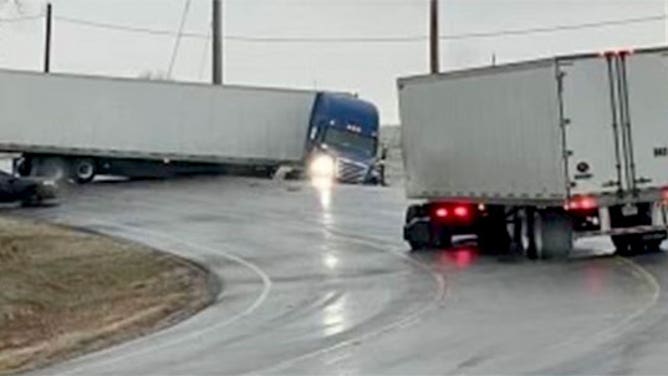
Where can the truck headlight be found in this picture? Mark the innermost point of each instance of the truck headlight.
(323, 166)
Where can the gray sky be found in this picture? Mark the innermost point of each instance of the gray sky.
(367, 68)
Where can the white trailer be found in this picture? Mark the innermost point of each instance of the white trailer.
(86, 125)
(553, 150)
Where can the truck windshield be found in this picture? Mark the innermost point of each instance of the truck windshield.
(351, 141)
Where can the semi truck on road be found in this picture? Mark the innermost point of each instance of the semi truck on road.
(539, 153)
(80, 126)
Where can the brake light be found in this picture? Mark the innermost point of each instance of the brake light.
(461, 211)
(582, 203)
(442, 213)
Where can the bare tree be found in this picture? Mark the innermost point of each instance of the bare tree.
(12, 7)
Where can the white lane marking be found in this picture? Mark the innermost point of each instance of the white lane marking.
(266, 282)
(404, 322)
(656, 293)
(626, 323)
(337, 359)
(602, 335)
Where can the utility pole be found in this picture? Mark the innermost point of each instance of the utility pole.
(47, 41)
(434, 38)
(217, 48)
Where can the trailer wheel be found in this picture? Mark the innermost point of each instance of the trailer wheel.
(22, 166)
(493, 236)
(632, 245)
(416, 232)
(83, 170)
(441, 237)
(553, 234)
(653, 246)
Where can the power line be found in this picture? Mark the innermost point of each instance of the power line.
(177, 43)
(406, 39)
(549, 29)
(21, 19)
(110, 26)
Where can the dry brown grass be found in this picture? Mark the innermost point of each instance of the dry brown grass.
(65, 292)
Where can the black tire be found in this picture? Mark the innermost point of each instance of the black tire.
(417, 235)
(441, 237)
(622, 245)
(653, 246)
(83, 170)
(555, 233)
(633, 245)
(22, 166)
(493, 236)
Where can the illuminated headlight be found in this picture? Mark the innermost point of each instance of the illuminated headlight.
(323, 166)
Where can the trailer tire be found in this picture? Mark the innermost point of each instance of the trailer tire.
(416, 233)
(83, 170)
(653, 246)
(633, 245)
(22, 166)
(441, 237)
(554, 234)
(493, 236)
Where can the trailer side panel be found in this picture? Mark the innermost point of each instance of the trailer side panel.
(133, 118)
(489, 134)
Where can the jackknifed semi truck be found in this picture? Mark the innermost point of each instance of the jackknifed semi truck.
(77, 127)
(538, 154)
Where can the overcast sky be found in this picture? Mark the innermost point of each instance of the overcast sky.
(367, 68)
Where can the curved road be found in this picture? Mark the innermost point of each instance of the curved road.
(318, 282)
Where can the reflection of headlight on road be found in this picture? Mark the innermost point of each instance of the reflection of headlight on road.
(323, 166)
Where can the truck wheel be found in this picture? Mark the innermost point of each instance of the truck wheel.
(419, 236)
(553, 234)
(653, 245)
(633, 245)
(493, 236)
(83, 170)
(623, 245)
(416, 233)
(441, 237)
(22, 166)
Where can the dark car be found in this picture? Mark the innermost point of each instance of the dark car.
(28, 191)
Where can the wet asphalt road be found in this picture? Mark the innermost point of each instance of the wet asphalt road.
(316, 283)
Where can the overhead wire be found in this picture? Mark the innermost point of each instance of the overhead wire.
(402, 39)
(177, 42)
(21, 19)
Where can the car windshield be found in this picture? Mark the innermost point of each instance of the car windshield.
(350, 141)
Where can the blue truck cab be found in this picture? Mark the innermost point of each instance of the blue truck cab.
(343, 138)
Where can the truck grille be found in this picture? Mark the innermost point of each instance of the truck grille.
(350, 172)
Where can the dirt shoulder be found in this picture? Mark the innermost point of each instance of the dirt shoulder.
(65, 293)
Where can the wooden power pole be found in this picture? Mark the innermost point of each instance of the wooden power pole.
(47, 41)
(217, 48)
(434, 38)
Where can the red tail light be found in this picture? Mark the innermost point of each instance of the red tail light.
(582, 203)
(456, 213)
(442, 213)
(461, 211)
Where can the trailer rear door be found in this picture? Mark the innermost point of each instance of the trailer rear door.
(646, 78)
(589, 116)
